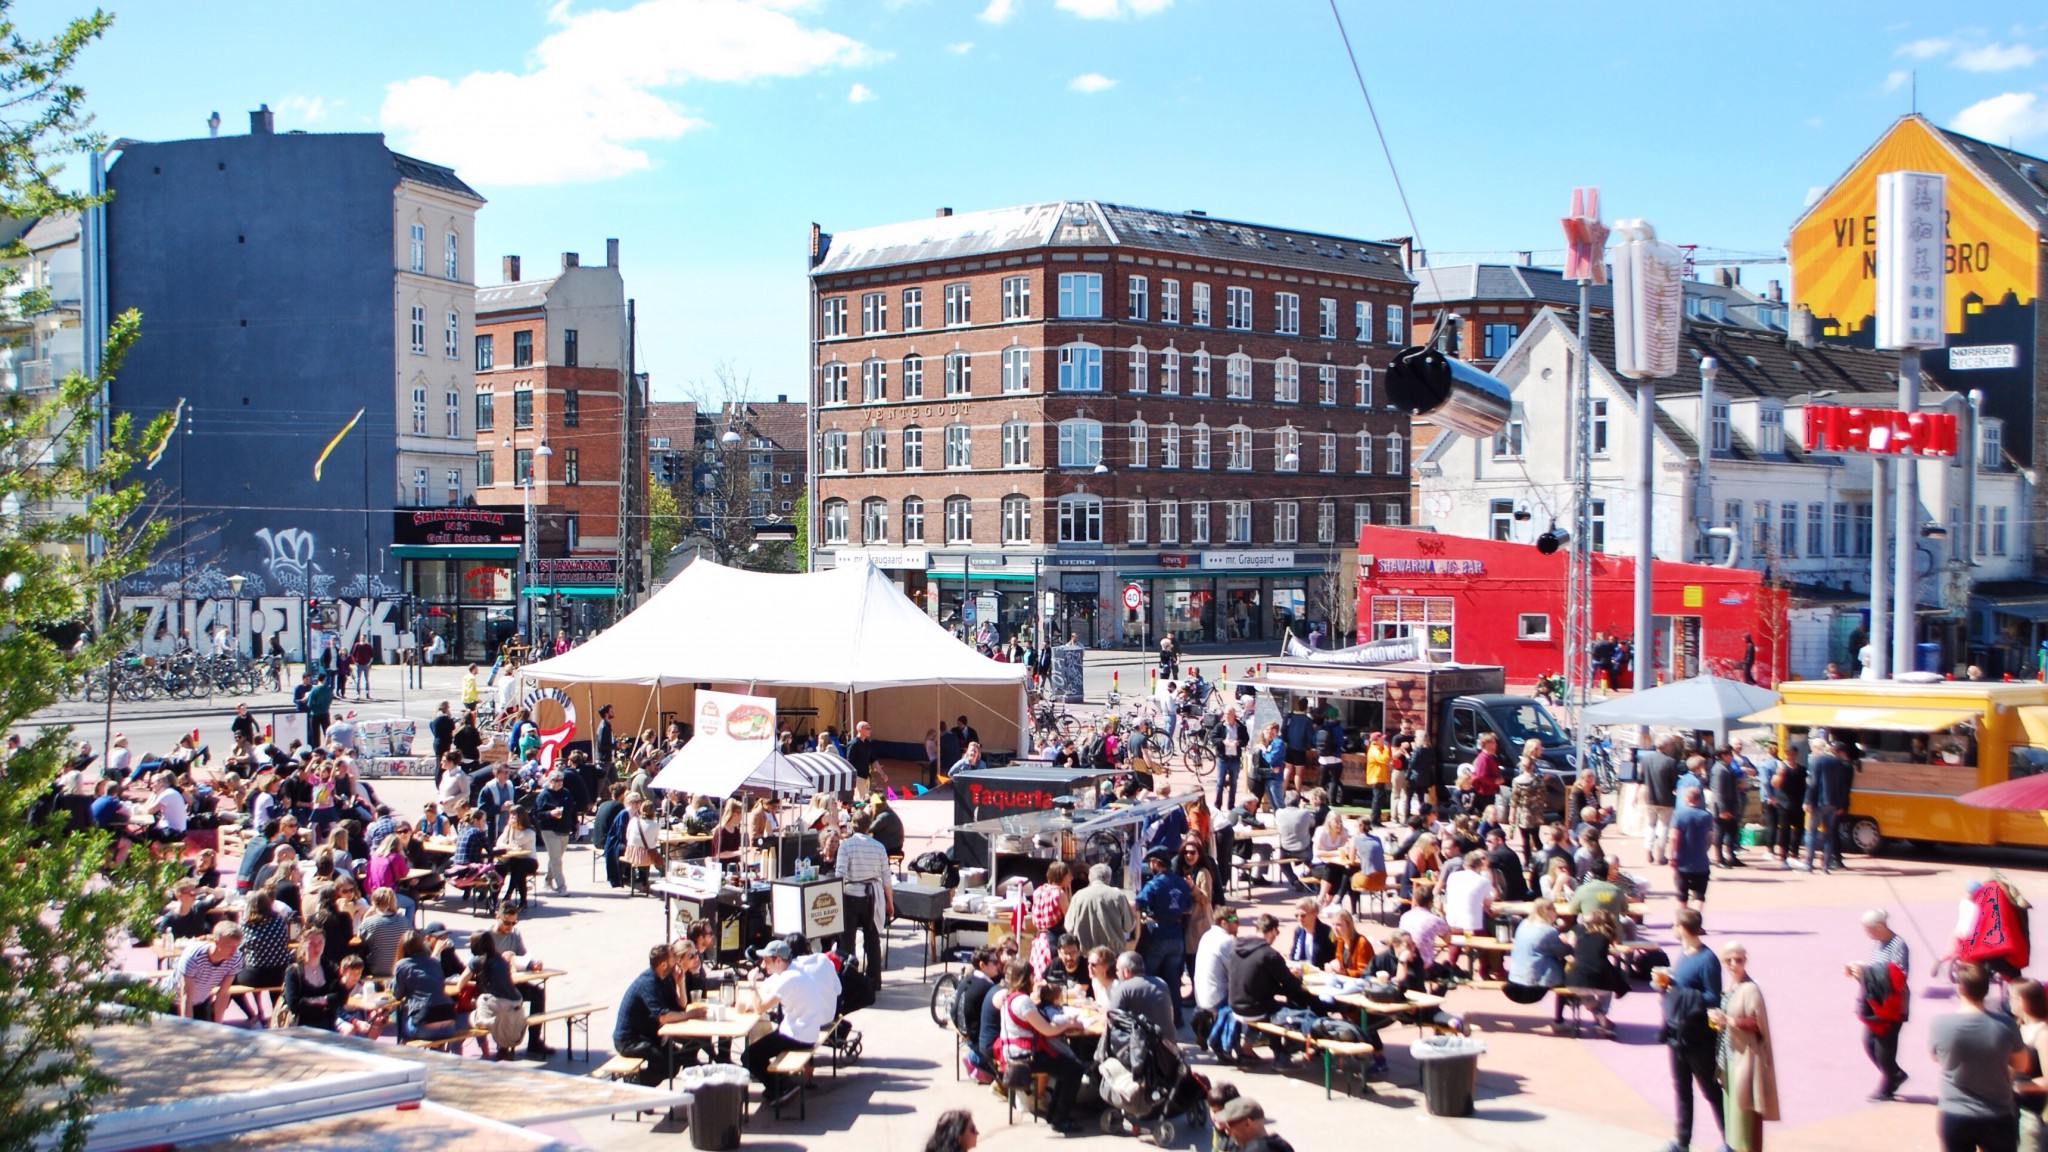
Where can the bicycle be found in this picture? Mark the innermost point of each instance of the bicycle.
(947, 986)
(1600, 758)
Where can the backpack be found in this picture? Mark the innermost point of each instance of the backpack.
(1095, 753)
(2000, 937)
(1331, 1028)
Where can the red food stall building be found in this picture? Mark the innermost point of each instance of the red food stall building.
(1480, 601)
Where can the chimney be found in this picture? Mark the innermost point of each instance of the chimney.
(1526, 259)
(1799, 326)
(782, 398)
(611, 253)
(1774, 291)
(943, 212)
(570, 260)
(261, 122)
(511, 269)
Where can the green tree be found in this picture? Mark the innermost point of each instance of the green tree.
(664, 522)
(73, 519)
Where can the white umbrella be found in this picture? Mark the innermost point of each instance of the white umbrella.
(1702, 703)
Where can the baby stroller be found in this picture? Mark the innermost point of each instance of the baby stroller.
(1144, 1082)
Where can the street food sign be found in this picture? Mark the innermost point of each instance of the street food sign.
(1879, 431)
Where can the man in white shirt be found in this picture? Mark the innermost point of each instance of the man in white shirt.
(1468, 893)
(1212, 961)
(1422, 924)
(864, 864)
(171, 811)
(805, 1012)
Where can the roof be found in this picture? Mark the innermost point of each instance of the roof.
(515, 296)
(1463, 283)
(433, 175)
(1091, 223)
(2022, 177)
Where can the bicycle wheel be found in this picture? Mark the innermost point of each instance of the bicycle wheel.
(943, 990)
(1201, 758)
(1157, 747)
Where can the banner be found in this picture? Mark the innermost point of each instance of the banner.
(728, 717)
(1378, 652)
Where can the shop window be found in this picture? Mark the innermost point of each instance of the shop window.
(1532, 626)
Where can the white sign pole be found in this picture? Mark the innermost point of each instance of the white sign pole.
(1910, 317)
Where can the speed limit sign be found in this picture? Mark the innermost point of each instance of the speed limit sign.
(1134, 597)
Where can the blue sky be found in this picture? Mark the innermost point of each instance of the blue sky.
(707, 134)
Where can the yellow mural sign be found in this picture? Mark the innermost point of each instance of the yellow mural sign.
(1990, 251)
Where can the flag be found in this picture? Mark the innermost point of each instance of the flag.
(329, 450)
(177, 421)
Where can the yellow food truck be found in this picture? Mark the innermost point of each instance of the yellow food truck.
(1924, 743)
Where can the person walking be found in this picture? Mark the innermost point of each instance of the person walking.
(1749, 1076)
(1659, 771)
(1829, 777)
(1729, 785)
(1100, 915)
(2030, 1009)
(1787, 813)
(1691, 988)
(1230, 741)
(1884, 1000)
(1165, 900)
(1692, 831)
(361, 657)
(556, 815)
(1979, 1055)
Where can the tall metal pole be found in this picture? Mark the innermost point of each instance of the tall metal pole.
(1879, 667)
(1646, 456)
(1905, 611)
(1578, 633)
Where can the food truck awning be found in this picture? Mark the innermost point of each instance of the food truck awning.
(1346, 684)
(2034, 722)
(1871, 719)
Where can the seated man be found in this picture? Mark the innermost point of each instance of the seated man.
(805, 1012)
(1067, 966)
(1141, 995)
(649, 1003)
(188, 917)
(968, 1002)
(1261, 983)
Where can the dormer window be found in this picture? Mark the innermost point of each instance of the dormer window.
(1718, 427)
(1770, 430)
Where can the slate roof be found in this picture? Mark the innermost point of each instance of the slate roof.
(1092, 223)
(433, 175)
(515, 296)
(2018, 175)
(1464, 283)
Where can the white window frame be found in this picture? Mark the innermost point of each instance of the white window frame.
(832, 317)
(1397, 318)
(1286, 439)
(1016, 369)
(1365, 383)
(1364, 444)
(1326, 521)
(1201, 369)
(959, 304)
(913, 519)
(417, 237)
(1237, 444)
(1237, 308)
(1169, 446)
(1141, 369)
(1198, 309)
(1137, 301)
(874, 380)
(1326, 452)
(1532, 626)
(419, 329)
(1286, 521)
(835, 521)
(1237, 377)
(1326, 385)
(1361, 518)
(1198, 521)
(959, 446)
(451, 337)
(1080, 518)
(1016, 444)
(454, 486)
(958, 512)
(1080, 367)
(1361, 319)
(1140, 443)
(1080, 443)
(1286, 380)
(1719, 426)
(832, 450)
(419, 411)
(1287, 313)
(1397, 454)
(959, 373)
(1237, 521)
(1081, 295)
(874, 312)
(451, 256)
(1599, 429)
(913, 376)
(453, 401)
(1014, 518)
(874, 450)
(1169, 521)
(419, 487)
(913, 448)
(913, 309)
(874, 520)
(1770, 429)
(832, 382)
(1016, 298)
(1200, 444)
(1135, 521)
(1169, 301)
(1509, 442)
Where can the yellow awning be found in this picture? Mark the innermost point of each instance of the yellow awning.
(1872, 719)
(2034, 722)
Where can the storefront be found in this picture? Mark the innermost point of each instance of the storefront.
(1224, 597)
(1496, 602)
(457, 570)
(906, 568)
(967, 592)
(574, 594)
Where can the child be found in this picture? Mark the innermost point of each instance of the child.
(352, 1020)
(1461, 796)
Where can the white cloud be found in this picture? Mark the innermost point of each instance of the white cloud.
(308, 109)
(1089, 83)
(1926, 49)
(1897, 79)
(1996, 57)
(1111, 9)
(962, 48)
(2015, 116)
(1813, 121)
(594, 95)
(859, 94)
(999, 11)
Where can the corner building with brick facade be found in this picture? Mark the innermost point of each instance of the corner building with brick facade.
(1022, 412)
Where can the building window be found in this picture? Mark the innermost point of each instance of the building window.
(874, 521)
(570, 349)
(913, 520)
(522, 465)
(833, 456)
(832, 317)
(1326, 385)
(874, 450)
(486, 469)
(1286, 522)
(1287, 313)
(1237, 376)
(1496, 339)
(1361, 516)
(1135, 518)
(1397, 454)
(486, 419)
(1842, 530)
(1238, 444)
(1201, 446)
(1141, 444)
(1080, 368)
(959, 446)
(522, 348)
(1081, 294)
(1135, 303)
(1770, 429)
(959, 374)
(1397, 325)
(835, 517)
(1237, 309)
(1198, 521)
(1532, 626)
(1326, 522)
(1990, 445)
(419, 330)
(419, 411)
(522, 408)
(451, 337)
(1016, 444)
(1364, 385)
(874, 381)
(1016, 297)
(1816, 530)
(874, 312)
(1141, 369)
(1500, 520)
(484, 353)
(959, 304)
(1596, 519)
(1016, 519)
(1326, 452)
(1863, 529)
(1599, 428)
(1364, 453)
(1326, 318)
(1169, 301)
(1080, 519)
(1169, 373)
(572, 531)
(1507, 443)
(913, 377)
(959, 520)
(451, 256)
(1760, 529)
(1237, 521)
(1286, 450)
(1361, 319)
(1719, 427)
(913, 449)
(454, 486)
(419, 487)
(1287, 380)
(1169, 521)
(1080, 443)
(572, 408)
(1169, 445)
(418, 247)
(1788, 531)
(913, 309)
(452, 411)
(1016, 369)
(1393, 514)
(572, 469)
(832, 383)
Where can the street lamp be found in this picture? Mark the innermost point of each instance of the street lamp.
(235, 608)
(525, 609)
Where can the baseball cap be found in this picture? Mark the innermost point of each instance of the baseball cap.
(1242, 1108)
(1227, 916)
(774, 949)
(434, 928)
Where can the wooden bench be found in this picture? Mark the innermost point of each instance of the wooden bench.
(794, 1063)
(574, 1019)
(453, 1042)
(274, 991)
(618, 1068)
(1331, 1050)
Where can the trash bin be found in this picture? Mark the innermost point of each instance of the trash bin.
(715, 1116)
(1752, 835)
(1450, 1071)
(1926, 657)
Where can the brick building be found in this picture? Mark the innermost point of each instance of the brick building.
(551, 369)
(726, 488)
(1038, 406)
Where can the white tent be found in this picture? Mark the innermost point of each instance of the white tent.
(723, 767)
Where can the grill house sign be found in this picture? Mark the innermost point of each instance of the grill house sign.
(432, 526)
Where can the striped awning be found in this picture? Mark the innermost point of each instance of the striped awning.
(827, 771)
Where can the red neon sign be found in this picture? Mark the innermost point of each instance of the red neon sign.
(1881, 431)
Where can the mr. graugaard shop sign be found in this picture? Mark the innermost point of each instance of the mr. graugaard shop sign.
(457, 526)
(577, 572)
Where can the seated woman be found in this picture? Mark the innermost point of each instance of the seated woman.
(426, 1012)
(266, 947)
(1556, 886)
(1592, 974)
(1031, 1043)
(351, 1019)
(313, 993)
(516, 861)
(1536, 964)
(1402, 965)
(1331, 851)
(1354, 952)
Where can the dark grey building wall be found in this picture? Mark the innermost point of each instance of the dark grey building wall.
(263, 269)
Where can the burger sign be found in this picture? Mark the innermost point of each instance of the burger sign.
(724, 716)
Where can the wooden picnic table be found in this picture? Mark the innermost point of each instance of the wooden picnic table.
(735, 1026)
(1521, 909)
